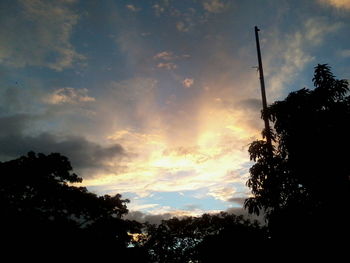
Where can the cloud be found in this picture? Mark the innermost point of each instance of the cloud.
(168, 66)
(223, 193)
(214, 6)
(295, 54)
(68, 96)
(143, 217)
(132, 101)
(157, 167)
(165, 55)
(188, 82)
(133, 8)
(237, 200)
(161, 7)
(181, 151)
(341, 4)
(148, 134)
(250, 104)
(38, 34)
(191, 207)
(191, 145)
(158, 9)
(134, 46)
(84, 154)
(345, 53)
(167, 212)
(161, 151)
(317, 29)
(15, 124)
(182, 26)
(241, 211)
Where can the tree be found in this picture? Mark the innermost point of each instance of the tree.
(306, 177)
(42, 207)
(209, 238)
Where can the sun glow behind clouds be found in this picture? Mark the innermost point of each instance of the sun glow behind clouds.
(149, 98)
(338, 3)
(216, 160)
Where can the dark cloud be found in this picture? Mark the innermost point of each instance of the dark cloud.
(250, 104)
(10, 100)
(143, 217)
(83, 153)
(241, 211)
(157, 219)
(14, 124)
(237, 200)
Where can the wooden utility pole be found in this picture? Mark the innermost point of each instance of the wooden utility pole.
(263, 93)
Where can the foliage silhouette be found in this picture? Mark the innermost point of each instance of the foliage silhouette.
(209, 238)
(307, 176)
(44, 212)
(41, 208)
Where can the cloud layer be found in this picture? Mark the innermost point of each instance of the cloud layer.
(37, 33)
(158, 101)
(82, 153)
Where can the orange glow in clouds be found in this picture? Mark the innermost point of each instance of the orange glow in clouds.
(219, 138)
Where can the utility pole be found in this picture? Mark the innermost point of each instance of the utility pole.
(263, 93)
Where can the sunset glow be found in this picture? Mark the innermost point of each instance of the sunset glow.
(157, 100)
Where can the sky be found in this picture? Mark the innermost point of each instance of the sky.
(158, 100)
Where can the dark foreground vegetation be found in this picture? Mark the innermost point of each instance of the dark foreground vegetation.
(301, 184)
(302, 180)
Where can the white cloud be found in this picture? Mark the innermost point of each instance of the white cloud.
(223, 193)
(345, 53)
(132, 8)
(169, 56)
(168, 66)
(158, 9)
(68, 96)
(188, 82)
(182, 26)
(214, 6)
(137, 207)
(165, 55)
(316, 29)
(46, 42)
(295, 55)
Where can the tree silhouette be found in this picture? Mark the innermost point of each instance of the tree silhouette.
(42, 208)
(209, 238)
(306, 179)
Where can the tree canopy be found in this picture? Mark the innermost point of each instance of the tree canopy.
(42, 207)
(45, 212)
(209, 238)
(307, 175)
